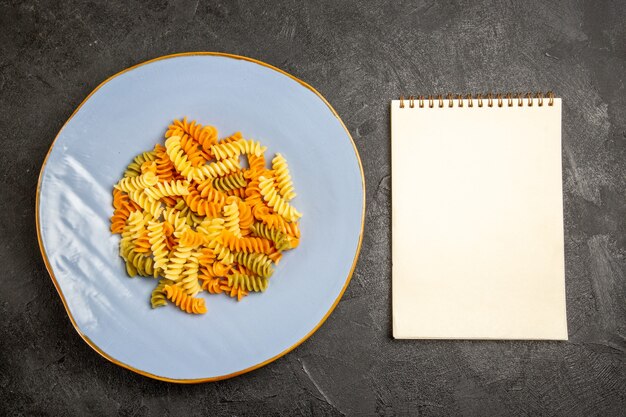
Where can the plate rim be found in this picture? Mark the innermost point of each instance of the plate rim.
(44, 255)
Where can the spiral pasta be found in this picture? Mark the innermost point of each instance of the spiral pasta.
(129, 184)
(211, 228)
(142, 243)
(189, 214)
(279, 238)
(283, 178)
(143, 200)
(206, 136)
(183, 301)
(229, 182)
(134, 168)
(257, 165)
(123, 206)
(202, 206)
(167, 189)
(189, 279)
(245, 217)
(192, 150)
(231, 218)
(178, 157)
(158, 245)
(216, 169)
(164, 166)
(192, 238)
(140, 264)
(232, 149)
(222, 253)
(176, 262)
(247, 244)
(158, 298)
(148, 166)
(132, 230)
(258, 263)
(174, 219)
(220, 286)
(249, 282)
(276, 202)
(206, 190)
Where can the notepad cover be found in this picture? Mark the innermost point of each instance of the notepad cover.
(477, 222)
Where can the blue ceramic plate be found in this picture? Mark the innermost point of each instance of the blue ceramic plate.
(128, 114)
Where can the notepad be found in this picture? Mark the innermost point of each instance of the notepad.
(477, 218)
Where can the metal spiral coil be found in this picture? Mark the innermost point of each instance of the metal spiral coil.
(499, 99)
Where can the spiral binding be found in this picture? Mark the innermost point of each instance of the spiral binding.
(509, 99)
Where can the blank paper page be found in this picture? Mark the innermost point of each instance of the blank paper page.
(477, 221)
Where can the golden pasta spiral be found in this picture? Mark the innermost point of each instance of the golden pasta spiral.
(251, 147)
(221, 253)
(276, 202)
(152, 206)
(211, 228)
(183, 301)
(216, 169)
(174, 218)
(231, 217)
(174, 267)
(283, 178)
(139, 182)
(189, 279)
(229, 149)
(158, 245)
(132, 230)
(193, 239)
(178, 157)
(224, 150)
(167, 189)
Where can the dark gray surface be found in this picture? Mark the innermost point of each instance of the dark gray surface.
(359, 56)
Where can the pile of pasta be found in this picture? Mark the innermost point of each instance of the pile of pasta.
(193, 216)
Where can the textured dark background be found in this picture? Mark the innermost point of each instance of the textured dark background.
(359, 56)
